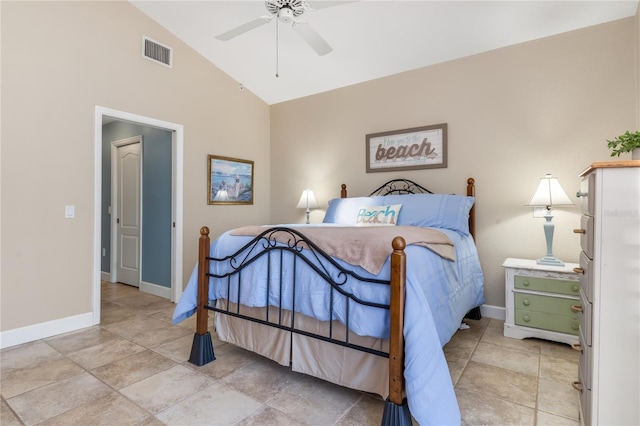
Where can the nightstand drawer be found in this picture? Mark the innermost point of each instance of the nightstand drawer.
(547, 285)
(545, 321)
(546, 304)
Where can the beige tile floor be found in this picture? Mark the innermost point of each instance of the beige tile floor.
(132, 370)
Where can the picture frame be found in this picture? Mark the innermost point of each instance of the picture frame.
(229, 180)
(408, 149)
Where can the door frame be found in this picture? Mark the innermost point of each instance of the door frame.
(114, 205)
(177, 143)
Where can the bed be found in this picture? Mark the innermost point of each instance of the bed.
(329, 299)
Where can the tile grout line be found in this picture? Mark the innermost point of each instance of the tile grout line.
(535, 409)
(349, 409)
(4, 401)
(537, 406)
(466, 364)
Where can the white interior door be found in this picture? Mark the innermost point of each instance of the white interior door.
(128, 214)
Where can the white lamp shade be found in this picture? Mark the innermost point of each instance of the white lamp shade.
(549, 193)
(307, 200)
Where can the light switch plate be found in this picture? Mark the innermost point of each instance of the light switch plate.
(539, 211)
(69, 212)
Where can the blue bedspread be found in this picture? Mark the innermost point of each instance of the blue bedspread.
(438, 295)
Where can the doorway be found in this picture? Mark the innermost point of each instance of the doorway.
(176, 216)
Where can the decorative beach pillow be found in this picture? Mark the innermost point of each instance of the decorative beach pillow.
(344, 210)
(378, 215)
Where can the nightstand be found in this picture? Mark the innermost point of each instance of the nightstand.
(542, 301)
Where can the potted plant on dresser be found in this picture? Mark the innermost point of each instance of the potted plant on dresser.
(627, 142)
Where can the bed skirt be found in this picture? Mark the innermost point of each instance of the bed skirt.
(342, 366)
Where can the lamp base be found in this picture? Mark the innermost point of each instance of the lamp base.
(550, 260)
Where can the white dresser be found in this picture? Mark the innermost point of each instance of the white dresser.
(609, 332)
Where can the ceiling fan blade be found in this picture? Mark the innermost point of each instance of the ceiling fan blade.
(312, 38)
(320, 4)
(235, 32)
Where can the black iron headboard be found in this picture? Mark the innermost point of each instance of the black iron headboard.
(400, 187)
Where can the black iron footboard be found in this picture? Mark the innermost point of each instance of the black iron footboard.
(287, 248)
(281, 243)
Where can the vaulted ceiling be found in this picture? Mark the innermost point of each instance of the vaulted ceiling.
(370, 39)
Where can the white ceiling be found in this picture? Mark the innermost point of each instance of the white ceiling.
(370, 38)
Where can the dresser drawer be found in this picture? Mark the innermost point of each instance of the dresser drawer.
(586, 277)
(587, 201)
(586, 235)
(546, 321)
(584, 362)
(586, 324)
(548, 285)
(585, 402)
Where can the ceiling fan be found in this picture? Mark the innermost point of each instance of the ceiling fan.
(287, 12)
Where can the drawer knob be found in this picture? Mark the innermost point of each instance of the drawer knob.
(575, 326)
(525, 283)
(579, 231)
(575, 288)
(526, 302)
(576, 347)
(577, 385)
(576, 308)
(578, 270)
(526, 318)
(581, 194)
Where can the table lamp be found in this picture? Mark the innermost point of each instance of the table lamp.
(307, 201)
(549, 194)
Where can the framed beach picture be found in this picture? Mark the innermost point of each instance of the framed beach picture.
(230, 181)
(409, 149)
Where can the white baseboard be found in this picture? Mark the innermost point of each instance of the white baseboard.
(495, 312)
(105, 276)
(43, 330)
(156, 290)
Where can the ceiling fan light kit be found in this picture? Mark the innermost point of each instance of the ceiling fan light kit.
(285, 15)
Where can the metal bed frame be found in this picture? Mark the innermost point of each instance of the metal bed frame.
(299, 248)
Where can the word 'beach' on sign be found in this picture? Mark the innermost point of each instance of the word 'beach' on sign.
(405, 151)
(409, 149)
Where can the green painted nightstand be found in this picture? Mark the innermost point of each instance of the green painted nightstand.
(541, 301)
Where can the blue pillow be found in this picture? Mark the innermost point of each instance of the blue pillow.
(344, 211)
(434, 210)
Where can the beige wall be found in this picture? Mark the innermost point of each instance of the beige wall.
(60, 60)
(514, 114)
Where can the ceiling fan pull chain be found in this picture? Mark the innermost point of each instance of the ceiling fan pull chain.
(277, 32)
